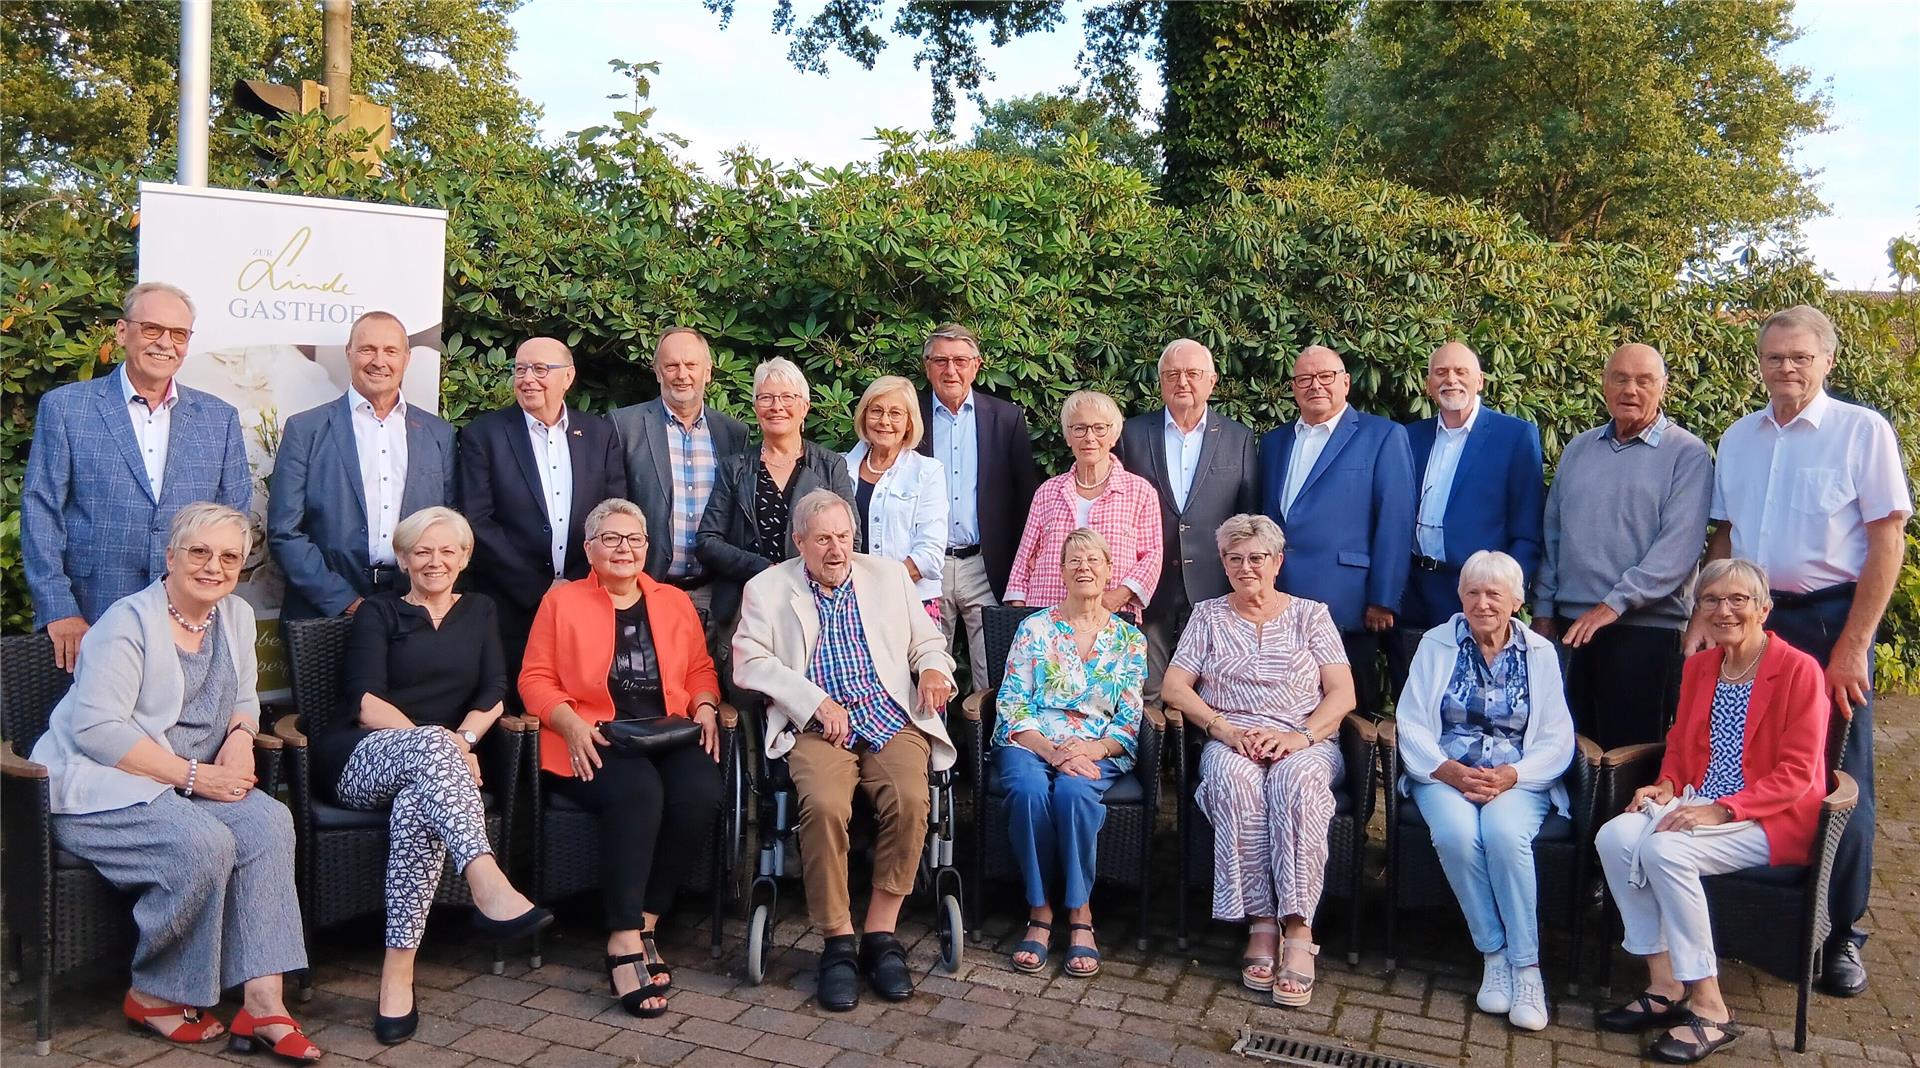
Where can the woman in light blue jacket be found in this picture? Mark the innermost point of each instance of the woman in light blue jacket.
(901, 495)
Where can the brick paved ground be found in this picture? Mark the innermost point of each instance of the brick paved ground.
(1144, 1009)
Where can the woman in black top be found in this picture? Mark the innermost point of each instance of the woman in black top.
(424, 680)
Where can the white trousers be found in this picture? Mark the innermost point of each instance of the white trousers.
(1668, 914)
(964, 591)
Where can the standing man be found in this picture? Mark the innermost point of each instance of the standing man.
(113, 459)
(673, 446)
(528, 476)
(1340, 484)
(1625, 523)
(988, 453)
(1811, 488)
(348, 471)
(1481, 485)
(1206, 469)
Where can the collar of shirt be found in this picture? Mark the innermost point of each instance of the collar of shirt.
(940, 407)
(1815, 411)
(673, 420)
(362, 404)
(1650, 435)
(1473, 413)
(130, 396)
(1197, 427)
(536, 426)
(831, 594)
(1303, 428)
(1463, 635)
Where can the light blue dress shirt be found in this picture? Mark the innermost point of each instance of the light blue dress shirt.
(1430, 525)
(1183, 456)
(956, 444)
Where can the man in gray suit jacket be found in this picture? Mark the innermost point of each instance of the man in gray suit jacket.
(1206, 468)
(673, 446)
(348, 471)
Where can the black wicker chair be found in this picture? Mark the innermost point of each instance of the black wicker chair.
(1346, 835)
(1562, 852)
(1133, 802)
(341, 863)
(1751, 909)
(61, 915)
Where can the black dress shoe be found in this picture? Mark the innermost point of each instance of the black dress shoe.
(1845, 975)
(1645, 1012)
(393, 1030)
(1692, 1050)
(884, 960)
(534, 919)
(839, 986)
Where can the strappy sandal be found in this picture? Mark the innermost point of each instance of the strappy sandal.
(293, 1046)
(1649, 1010)
(1673, 1050)
(1075, 953)
(656, 964)
(1261, 983)
(1037, 948)
(197, 1026)
(1294, 998)
(634, 1001)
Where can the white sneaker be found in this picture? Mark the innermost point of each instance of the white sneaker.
(1529, 1011)
(1496, 986)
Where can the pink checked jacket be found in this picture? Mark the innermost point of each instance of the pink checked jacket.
(1127, 515)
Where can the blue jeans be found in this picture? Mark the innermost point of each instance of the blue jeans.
(1053, 823)
(1487, 853)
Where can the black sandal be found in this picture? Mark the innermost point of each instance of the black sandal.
(1647, 1011)
(634, 1001)
(1672, 1050)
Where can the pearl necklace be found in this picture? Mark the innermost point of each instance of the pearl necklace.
(866, 464)
(192, 628)
(1108, 477)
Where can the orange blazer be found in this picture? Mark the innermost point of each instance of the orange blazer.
(570, 651)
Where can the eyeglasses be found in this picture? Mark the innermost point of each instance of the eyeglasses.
(1739, 602)
(1235, 561)
(898, 415)
(612, 541)
(1799, 361)
(1322, 378)
(778, 400)
(151, 331)
(948, 363)
(1193, 375)
(1083, 430)
(198, 555)
(537, 370)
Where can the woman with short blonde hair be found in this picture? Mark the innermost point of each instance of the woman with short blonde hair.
(900, 496)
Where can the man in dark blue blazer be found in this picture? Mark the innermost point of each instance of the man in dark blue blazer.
(348, 471)
(113, 459)
(1480, 485)
(529, 474)
(1340, 484)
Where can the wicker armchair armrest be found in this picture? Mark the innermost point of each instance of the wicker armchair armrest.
(1169, 715)
(1359, 741)
(1157, 714)
(728, 716)
(1845, 796)
(287, 730)
(1626, 769)
(1588, 750)
(516, 724)
(15, 766)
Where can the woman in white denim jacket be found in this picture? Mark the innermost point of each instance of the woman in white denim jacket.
(901, 495)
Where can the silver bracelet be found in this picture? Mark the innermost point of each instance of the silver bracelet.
(193, 772)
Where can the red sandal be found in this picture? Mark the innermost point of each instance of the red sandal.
(199, 1026)
(293, 1046)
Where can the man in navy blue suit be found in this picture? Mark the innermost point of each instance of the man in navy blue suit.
(1340, 484)
(1480, 486)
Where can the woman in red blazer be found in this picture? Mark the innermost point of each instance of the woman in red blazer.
(1740, 787)
(618, 645)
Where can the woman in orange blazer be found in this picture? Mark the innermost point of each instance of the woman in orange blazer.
(1740, 787)
(618, 645)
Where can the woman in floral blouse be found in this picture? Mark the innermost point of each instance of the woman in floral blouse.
(1069, 713)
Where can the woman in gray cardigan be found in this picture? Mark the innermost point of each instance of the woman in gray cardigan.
(150, 760)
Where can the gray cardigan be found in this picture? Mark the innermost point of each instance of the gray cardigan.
(128, 686)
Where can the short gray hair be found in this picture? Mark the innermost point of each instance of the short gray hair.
(950, 332)
(1176, 345)
(1258, 529)
(1740, 573)
(1085, 538)
(1493, 567)
(813, 504)
(613, 506)
(781, 369)
(1802, 317)
(1107, 405)
(133, 297)
(408, 532)
(200, 515)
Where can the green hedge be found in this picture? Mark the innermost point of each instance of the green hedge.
(1074, 274)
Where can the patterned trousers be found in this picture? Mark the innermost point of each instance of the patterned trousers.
(1269, 829)
(422, 773)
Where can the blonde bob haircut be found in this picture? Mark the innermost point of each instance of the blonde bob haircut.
(1264, 533)
(887, 385)
(1085, 538)
(189, 521)
(408, 532)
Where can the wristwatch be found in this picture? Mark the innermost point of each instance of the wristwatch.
(470, 738)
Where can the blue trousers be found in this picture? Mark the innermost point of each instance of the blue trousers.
(1053, 823)
(1487, 853)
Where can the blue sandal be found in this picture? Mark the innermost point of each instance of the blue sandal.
(1080, 953)
(1038, 949)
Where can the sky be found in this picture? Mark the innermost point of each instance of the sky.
(723, 88)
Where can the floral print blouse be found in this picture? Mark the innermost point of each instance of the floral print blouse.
(1049, 689)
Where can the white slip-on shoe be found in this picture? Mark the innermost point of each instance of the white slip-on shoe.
(1496, 986)
(1529, 1012)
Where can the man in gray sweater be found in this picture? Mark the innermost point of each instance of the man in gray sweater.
(1625, 526)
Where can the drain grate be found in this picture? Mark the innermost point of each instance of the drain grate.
(1280, 1049)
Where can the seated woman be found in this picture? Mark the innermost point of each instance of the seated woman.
(617, 645)
(1068, 716)
(901, 496)
(1746, 756)
(149, 760)
(1099, 494)
(1485, 735)
(424, 680)
(1263, 675)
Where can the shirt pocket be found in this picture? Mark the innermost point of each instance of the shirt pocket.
(1819, 490)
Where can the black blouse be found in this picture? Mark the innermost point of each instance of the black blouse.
(435, 675)
(770, 510)
(863, 499)
(634, 679)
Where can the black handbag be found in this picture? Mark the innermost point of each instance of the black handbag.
(650, 737)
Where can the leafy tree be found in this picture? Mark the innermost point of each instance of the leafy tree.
(1666, 123)
(1041, 126)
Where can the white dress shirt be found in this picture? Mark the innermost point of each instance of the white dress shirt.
(1183, 456)
(956, 444)
(1800, 496)
(151, 427)
(907, 514)
(1430, 526)
(382, 448)
(1309, 441)
(554, 460)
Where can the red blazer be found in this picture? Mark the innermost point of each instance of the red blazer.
(1784, 762)
(570, 651)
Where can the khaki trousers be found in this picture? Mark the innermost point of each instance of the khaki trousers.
(964, 591)
(894, 779)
